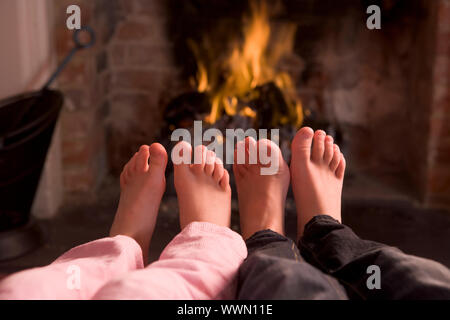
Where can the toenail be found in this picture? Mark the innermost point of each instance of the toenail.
(307, 132)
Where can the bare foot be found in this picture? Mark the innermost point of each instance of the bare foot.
(204, 193)
(142, 187)
(317, 175)
(261, 197)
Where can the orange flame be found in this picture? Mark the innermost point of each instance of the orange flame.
(250, 64)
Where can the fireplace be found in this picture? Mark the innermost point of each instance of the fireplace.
(159, 65)
(382, 93)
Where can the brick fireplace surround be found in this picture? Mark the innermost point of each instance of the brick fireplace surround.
(116, 92)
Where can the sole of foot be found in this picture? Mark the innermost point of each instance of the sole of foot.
(203, 188)
(261, 193)
(142, 184)
(317, 174)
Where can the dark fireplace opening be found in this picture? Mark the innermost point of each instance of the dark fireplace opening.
(365, 87)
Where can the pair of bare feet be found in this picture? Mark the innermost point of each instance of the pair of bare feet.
(204, 193)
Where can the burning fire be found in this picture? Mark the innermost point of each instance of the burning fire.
(250, 63)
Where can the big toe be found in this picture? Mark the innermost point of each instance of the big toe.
(301, 145)
(158, 158)
(245, 152)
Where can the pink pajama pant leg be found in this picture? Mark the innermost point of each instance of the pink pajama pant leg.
(201, 262)
(77, 274)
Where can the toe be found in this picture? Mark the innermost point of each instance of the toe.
(265, 151)
(328, 154)
(340, 171)
(318, 148)
(225, 181)
(239, 166)
(336, 158)
(158, 157)
(141, 163)
(182, 154)
(218, 170)
(301, 145)
(199, 159)
(251, 151)
(124, 176)
(245, 152)
(210, 162)
(269, 157)
(239, 153)
(128, 170)
(130, 166)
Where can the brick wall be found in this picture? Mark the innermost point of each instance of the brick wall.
(142, 78)
(115, 90)
(84, 84)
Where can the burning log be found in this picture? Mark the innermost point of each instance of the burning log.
(182, 111)
(263, 107)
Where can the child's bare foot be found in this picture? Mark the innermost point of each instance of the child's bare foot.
(142, 187)
(261, 197)
(204, 193)
(317, 175)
